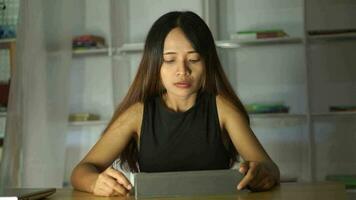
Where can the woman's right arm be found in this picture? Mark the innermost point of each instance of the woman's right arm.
(94, 173)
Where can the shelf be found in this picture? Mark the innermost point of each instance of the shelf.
(7, 40)
(8, 43)
(89, 123)
(3, 114)
(84, 52)
(228, 44)
(331, 114)
(277, 115)
(333, 37)
(130, 48)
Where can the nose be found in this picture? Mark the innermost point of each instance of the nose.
(183, 69)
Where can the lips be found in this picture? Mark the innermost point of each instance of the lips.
(183, 84)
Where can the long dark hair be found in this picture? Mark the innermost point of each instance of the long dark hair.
(147, 80)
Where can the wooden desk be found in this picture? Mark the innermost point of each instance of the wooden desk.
(287, 191)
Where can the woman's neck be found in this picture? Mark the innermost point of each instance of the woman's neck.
(179, 104)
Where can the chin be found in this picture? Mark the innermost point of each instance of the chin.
(183, 93)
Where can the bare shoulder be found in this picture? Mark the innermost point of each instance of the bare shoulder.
(227, 110)
(224, 105)
(136, 110)
(131, 118)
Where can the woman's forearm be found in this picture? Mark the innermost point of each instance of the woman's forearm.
(84, 176)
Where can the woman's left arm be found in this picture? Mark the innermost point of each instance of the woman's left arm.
(261, 173)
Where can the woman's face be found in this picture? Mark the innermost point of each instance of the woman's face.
(183, 69)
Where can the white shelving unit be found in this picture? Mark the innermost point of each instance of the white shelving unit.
(331, 81)
(7, 67)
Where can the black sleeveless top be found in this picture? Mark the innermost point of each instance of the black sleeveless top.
(181, 141)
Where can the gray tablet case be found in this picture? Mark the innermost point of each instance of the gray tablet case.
(188, 183)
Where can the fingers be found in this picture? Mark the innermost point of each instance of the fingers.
(250, 175)
(258, 178)
(115, 187)
(111, 183)
(244, 167)
(120, 178)
(266, 184)
(107, 191)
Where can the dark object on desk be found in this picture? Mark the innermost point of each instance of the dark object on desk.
(27, 193)
(189, 183)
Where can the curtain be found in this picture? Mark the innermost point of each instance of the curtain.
(35, 140)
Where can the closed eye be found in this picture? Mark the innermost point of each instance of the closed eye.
(194, 60)
(168, 61)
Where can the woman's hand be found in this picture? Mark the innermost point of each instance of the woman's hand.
(111, 183)
(259, 176)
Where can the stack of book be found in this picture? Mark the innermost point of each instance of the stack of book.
(84, 42)
(348, 180)
(80, 117)
(258, 108)
(331, 32)
(343, 108)
(258, 34)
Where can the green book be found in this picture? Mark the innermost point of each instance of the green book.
(348, 180)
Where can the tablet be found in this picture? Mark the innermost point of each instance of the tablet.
(186, 183)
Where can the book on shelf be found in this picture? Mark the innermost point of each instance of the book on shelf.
(331, 32)
(349, 180)
(82, 117)
(343, 108)
(258, 34)
(263, 108)
(84, 42)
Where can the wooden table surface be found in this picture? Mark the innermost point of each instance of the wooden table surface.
(287, 191)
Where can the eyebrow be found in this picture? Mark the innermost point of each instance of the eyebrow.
(172, 52)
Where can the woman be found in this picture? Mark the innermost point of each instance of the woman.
(180, 114)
